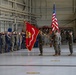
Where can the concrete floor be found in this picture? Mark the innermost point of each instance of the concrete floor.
(23, 62)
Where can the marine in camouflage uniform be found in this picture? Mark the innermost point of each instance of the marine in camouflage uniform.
(40, 43)
(70, 42)
(56, 43)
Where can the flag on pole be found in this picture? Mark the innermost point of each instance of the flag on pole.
(31, 35)
(54, 23)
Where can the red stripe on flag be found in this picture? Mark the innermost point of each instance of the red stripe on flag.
(54, 23)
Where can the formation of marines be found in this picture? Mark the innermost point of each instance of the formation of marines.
(12, 41)
(56, 42)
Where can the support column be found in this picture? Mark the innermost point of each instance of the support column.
(30, 11)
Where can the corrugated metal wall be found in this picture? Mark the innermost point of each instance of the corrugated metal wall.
(14, 12)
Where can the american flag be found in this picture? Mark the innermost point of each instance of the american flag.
(54, 23)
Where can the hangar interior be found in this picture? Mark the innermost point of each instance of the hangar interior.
(13, 13)
(21, 61)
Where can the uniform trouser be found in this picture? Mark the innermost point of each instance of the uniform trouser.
(0, 48)
(23, 45)
(71, 48)
(19, 45)
(3, 48)
(57, 48)
(41, 49)
(8, 48)
(16, 46)
(13, 46)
